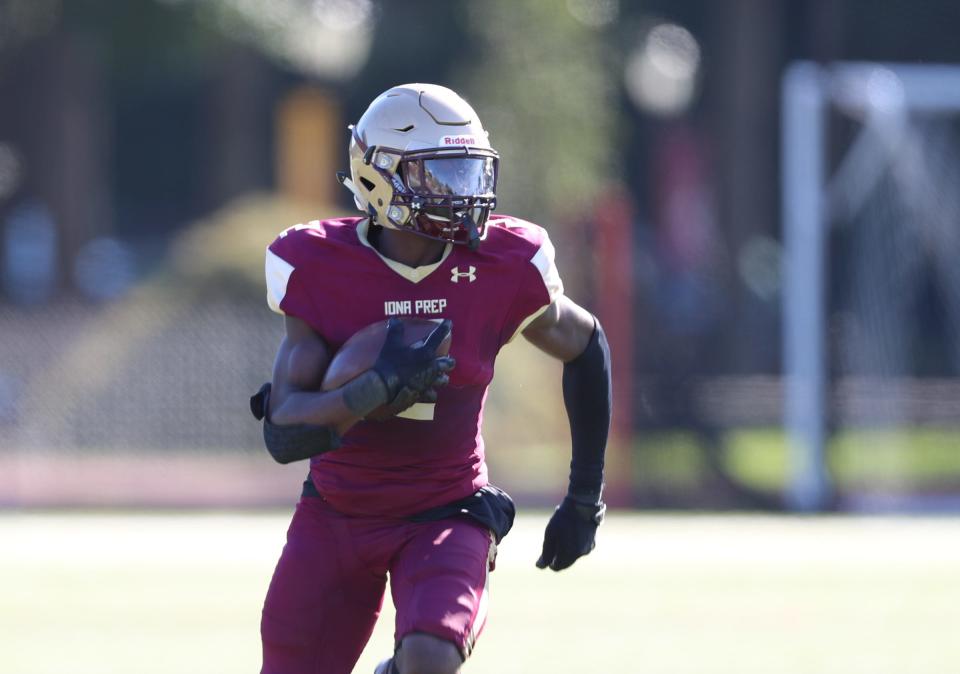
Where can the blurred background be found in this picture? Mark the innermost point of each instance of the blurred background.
(150, 149)
(760, 199)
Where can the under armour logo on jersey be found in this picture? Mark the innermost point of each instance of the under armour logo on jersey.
(456, 274)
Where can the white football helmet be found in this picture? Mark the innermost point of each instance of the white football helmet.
(420, 161)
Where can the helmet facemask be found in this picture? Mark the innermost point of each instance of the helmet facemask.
(440, 193)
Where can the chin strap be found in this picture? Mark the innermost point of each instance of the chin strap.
(473, 232)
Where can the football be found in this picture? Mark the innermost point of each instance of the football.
(360, 351)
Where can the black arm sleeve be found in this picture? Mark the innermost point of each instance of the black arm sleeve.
(587, 396)
(291, 443)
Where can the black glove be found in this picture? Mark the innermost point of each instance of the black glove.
(570, 533)
(412, 372)
(407, 397)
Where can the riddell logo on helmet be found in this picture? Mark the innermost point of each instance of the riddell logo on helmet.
(458, 140)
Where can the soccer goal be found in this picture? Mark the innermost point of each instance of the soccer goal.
(871, 284)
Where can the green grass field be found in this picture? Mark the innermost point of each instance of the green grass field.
(180, 593)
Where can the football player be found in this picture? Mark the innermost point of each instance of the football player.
(408, 499)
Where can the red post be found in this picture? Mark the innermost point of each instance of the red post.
(615, 308)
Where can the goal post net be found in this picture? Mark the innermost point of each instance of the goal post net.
(871, 283)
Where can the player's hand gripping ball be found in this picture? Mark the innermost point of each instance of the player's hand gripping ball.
(570, 533)
(409, 354)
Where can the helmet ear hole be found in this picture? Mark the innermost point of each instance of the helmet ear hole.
(366, 183)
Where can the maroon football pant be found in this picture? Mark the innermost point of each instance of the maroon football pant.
(329, 584)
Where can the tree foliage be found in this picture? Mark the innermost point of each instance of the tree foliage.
(546, 87)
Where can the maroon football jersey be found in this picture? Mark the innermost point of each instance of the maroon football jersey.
(328, 274)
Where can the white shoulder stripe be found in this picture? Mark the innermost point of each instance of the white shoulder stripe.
(543, 260)
(278, 273)
(545, 264)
